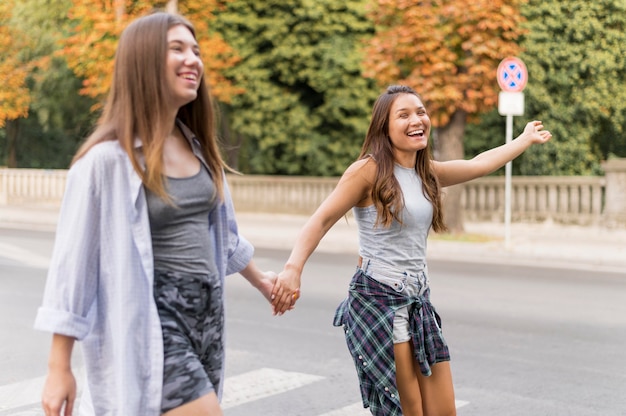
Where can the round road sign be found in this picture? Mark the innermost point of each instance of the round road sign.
(512, 75)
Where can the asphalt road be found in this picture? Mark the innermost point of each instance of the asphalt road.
(524, 340)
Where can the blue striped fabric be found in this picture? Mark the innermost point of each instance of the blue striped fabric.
(100, 282)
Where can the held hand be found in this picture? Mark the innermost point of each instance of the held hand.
(59, 390)
(286, 291)
(267, 284)
(535, 132)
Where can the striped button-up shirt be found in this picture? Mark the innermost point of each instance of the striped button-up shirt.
(99, 288)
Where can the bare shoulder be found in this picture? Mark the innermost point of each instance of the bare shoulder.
(440, 168)
(363, 169)
(435, 165)
(358, 180)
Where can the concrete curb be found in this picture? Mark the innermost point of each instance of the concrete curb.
(575, 247)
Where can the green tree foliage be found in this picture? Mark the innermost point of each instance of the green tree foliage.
(306, 106)
(575, 52)
(58, 117)
(490, 131)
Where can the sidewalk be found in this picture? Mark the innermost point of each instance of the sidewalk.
(590, 248)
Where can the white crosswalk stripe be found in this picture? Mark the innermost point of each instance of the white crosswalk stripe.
(26, 257)
(262, 383)
(20, 394)
(355, 409)
(20, 399)
(460, 403)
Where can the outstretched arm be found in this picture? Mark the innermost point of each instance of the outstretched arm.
(453, 172)
(353, 187)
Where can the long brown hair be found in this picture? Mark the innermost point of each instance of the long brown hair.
(386, 192)
(136, 105)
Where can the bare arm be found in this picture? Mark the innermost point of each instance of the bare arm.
(458, 171)
(353, 187)
(60, 387)
(263, 281)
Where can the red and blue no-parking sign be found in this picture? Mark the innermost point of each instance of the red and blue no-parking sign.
(512, 75)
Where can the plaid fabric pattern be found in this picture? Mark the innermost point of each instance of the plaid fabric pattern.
(367, 318)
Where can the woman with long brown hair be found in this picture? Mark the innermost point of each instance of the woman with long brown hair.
(392, 330)
(145, 238)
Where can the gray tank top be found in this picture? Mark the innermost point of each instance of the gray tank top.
(180, 232)
(400, 246)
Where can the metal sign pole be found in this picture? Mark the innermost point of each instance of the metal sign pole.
(507, 186)
(512, 77)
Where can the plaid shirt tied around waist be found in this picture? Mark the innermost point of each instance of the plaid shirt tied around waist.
(367, 316)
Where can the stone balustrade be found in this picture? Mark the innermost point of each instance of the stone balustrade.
(563, 199)
(583, 200)
(32, 186)
(615, 203)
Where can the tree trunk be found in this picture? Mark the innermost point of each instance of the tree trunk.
(172, 6)
(230, 143)
(13, 130)
(449, 146)
(119, 7)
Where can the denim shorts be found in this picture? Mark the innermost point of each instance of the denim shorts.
(192, 319)
(410, 284)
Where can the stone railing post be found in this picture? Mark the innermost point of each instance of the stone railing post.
(4, 184)
(614, 212)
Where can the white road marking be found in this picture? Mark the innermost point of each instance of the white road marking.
(26, 257)
(461, 403)
(28, 392)
(240, 389)
(21, 394)
(357, 409)
(258, 384)
(31, 412)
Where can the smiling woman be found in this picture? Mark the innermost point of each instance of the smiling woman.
(409, 128)
(391, 328)
(145, 236)
(184, 66)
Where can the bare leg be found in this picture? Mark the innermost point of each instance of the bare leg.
(206, 405)
(437, 390)
(420, 395)
(407, 381)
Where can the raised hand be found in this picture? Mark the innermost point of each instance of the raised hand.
(534, 130)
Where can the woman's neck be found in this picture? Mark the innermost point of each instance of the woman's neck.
(171, 121)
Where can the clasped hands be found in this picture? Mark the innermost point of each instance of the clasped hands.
(286, 292)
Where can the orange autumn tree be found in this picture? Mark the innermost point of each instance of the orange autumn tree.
(90, 48)
(14, 93)
(448, 51)
(15, 68)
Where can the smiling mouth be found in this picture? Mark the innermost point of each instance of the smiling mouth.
(189, 77)
(416, 133)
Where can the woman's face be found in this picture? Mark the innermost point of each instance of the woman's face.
(184, 66)
(409, 128)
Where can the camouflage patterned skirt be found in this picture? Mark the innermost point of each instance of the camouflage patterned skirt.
(192, 317)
